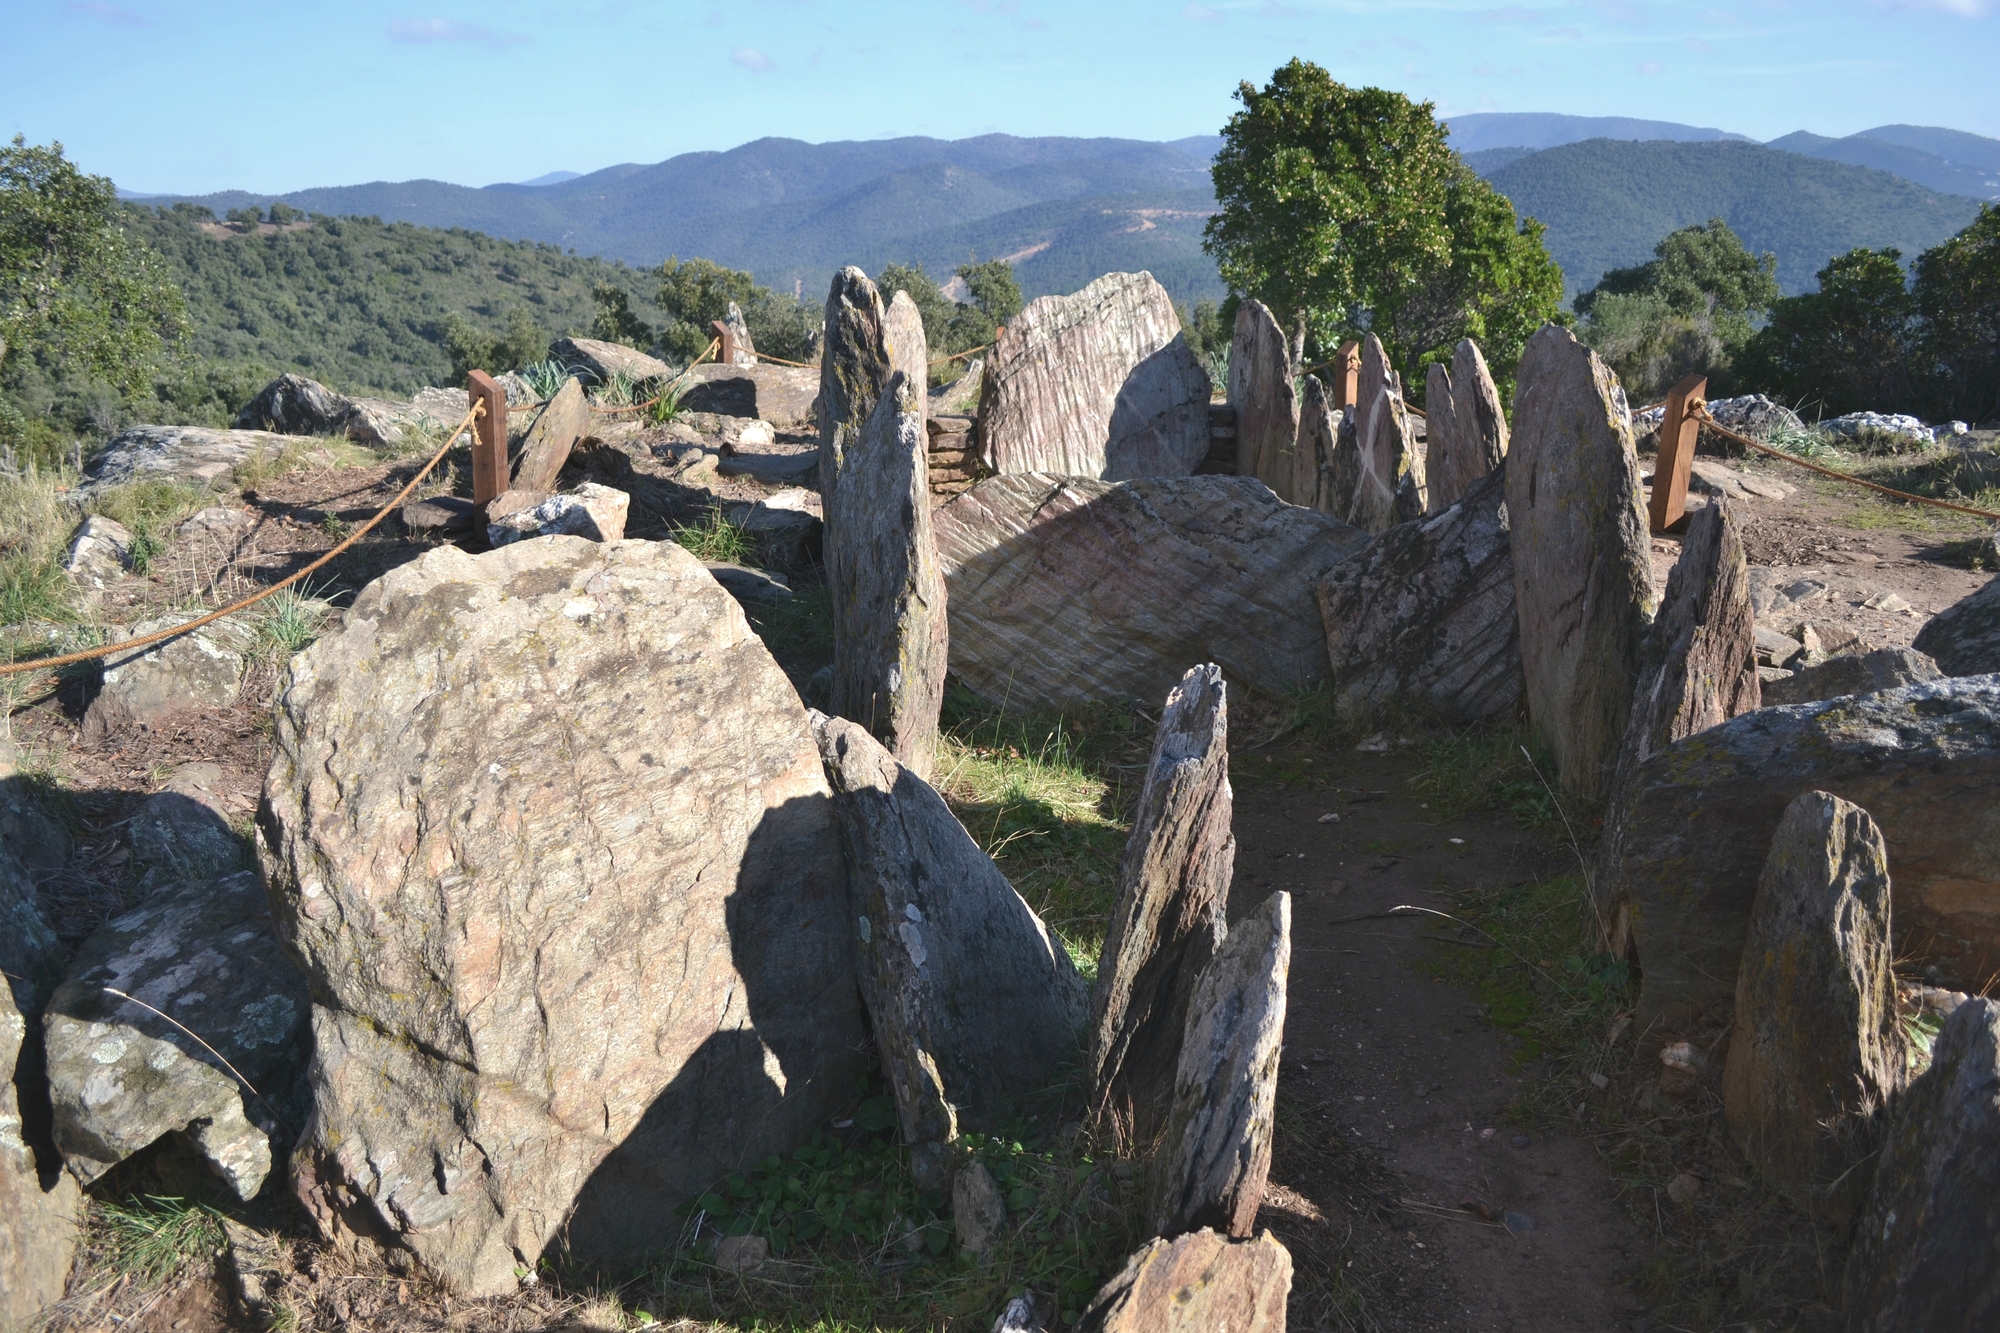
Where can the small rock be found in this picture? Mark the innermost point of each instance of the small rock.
(592, 511)
(200, 669)
(1883, 669)
(99, 554)
(741, 1255)
(1329, 818)
(1775, 649)
(1519, 1223)
(1520, 1140)
(1887, 601)
(218, 521)
(440, 513)
(1026, 1313)
(1683, 1188)
(1599, 1081)
(977, 1210)
(1379, 743)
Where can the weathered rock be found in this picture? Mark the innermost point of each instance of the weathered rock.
(196, 455)
(1708, 477)
(1582, 568)
(1424, 615)
(591, 511)
(1778, 650)
(1923, 1252)
(121, 1076)
(781, 395)
(1173, 896)
(1964, 638)
(40, 1204)
(601, 361)
(40, 843)
(220, 523)
(908, 348)
(440, 513)
(741, 1254)
(1217, 1152)
(202, 668)
(749, 586)
(1466, 434)
(558, 426)
(294, 405)
(743, 352)
(99, 554)
(977, 1210)
(974, 1003)
(1924, 760)
(854, 370)
(962, 394)
(1098, 384)
(785, 527)
(1817, 1048)
(1316, 455)
(1883, 669)
(181, 832)
(1380, 481)
(1066, 591)
(30, 954)
(1267, 412)
(1197, 1283)
(549, 832)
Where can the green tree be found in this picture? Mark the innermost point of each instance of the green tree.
(996, 296)
(1957, 296)
(696, 292)
(1847, 346)
(521, 343)
(615, 322)
(73, 286)
(932, 304)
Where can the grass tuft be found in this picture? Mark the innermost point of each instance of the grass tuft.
(291, 621)
(154, 1239)
(35, 527)
(714, 537)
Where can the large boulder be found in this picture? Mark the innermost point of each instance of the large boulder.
(1379, 482)
(1424, 615)
(193, 455)
(1466, 432)
(294, 405)
(122, 1076)
(1197, 1283)
(40, 1205)
(1923, 1253)
(601, 361)
(149, 685)
(1818, 1048)
(1065, 591)
(1098, 384)
(548, 829)
(1854, 673)
(1267, 410)
(1173, 899)
(1923, 760)
(1964, 638)
(1582, 566)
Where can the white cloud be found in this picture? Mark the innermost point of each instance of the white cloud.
(447, 30)
(752, 59)
(1201, 13)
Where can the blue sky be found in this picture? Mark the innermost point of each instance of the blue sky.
(270, 95)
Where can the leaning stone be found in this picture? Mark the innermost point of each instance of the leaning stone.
(294, 405)
(193, 455)
(604, 360)
(181, 832)
(1923, 1251)
(1424, 615)
(1818, 1048)
(745, 351)
(977, 1210)
(1098, 384)
(144, 688)
(1582, 567)
(1197, 1283)
(974, 1002)
(30, 954)
(1217, 1152)
(1466, 434)
(1924, 760)
(1883, 669)
(1066, 591)
(99, 554)
(1381, 482)
(591, 511)
(1173, 896)
(1964, 638)
(121, 1077)
(547, 829)
(563, 421)
(1267, 411)
(40, 1205)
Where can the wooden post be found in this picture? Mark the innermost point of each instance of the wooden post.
(1346, 370)
(489, 437)
(1678, 428)
(726, 356)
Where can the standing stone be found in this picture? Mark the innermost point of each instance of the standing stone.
(1099, 384)
(1818, 1048)
(548, 831)
(743, 351)
(1217, 1153)
(1923, 1256)
(1197, 1283)
(909, 350)
(1582, 569)
(974, 1003)
(1964, 638)
(1467, 430)
(1066, 591)
(854, 369)
(1173, 893)
(39, 1202)
(121, 1077)
(1424, 616)
(1316, 457)
(1381, 482)
(1260, 389)
(563, 421)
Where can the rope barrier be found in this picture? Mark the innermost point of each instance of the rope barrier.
(713, 344)
(1701, 414)
(144, 640)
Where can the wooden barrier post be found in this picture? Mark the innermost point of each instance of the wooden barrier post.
(1346, 370)
(1678, 429)
(489, 437)
(726, 355)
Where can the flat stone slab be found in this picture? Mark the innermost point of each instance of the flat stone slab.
(194, 455)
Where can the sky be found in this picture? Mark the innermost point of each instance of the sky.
(180, 96)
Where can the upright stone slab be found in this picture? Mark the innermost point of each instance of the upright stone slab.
(909, 350)
(1216, 1156)
(1173, 894)
(39, 1202)
(1964, 638)
(1099, 384)
(1582, 568)
(560, 424)
(854, 369)
(1260, 389)
(1066, 591)
(743, 352)
(1467, 430)
(1382, 483)
(1424, 616)
(1923, 1251)
(1316, 458)
(974, 1003)
(549, 832)
(1197, 1283)
(1818, 1048)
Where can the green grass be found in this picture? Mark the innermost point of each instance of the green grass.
(715, 538)
(1484, 768)
(153, 1239)
(35, 528)
(149, 506)
(290, 622)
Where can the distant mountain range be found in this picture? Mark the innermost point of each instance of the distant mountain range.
(1065, 210)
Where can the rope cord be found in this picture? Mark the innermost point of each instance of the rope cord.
(144, 640)
(1701, 414)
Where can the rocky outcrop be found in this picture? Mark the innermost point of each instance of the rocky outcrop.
(549, 832)
(1923, 1252)
(1380, 482)
(1582, 569)
(601, 361)
(1883, 669)
(1424, 615)
(1173, 897)
(294, 405)
(121, 1076)
(1216, 1154)
(1098, 384)
(1197, 1283)
(596, 513)
(974, 1002)
(1064, 591)
(146, 686)
(1923, 760)
(563, 420)
(194, 455)
(1818, 1048)
(1466, 435)
(1964, 638)
(40, 1204)
(1267, 411)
